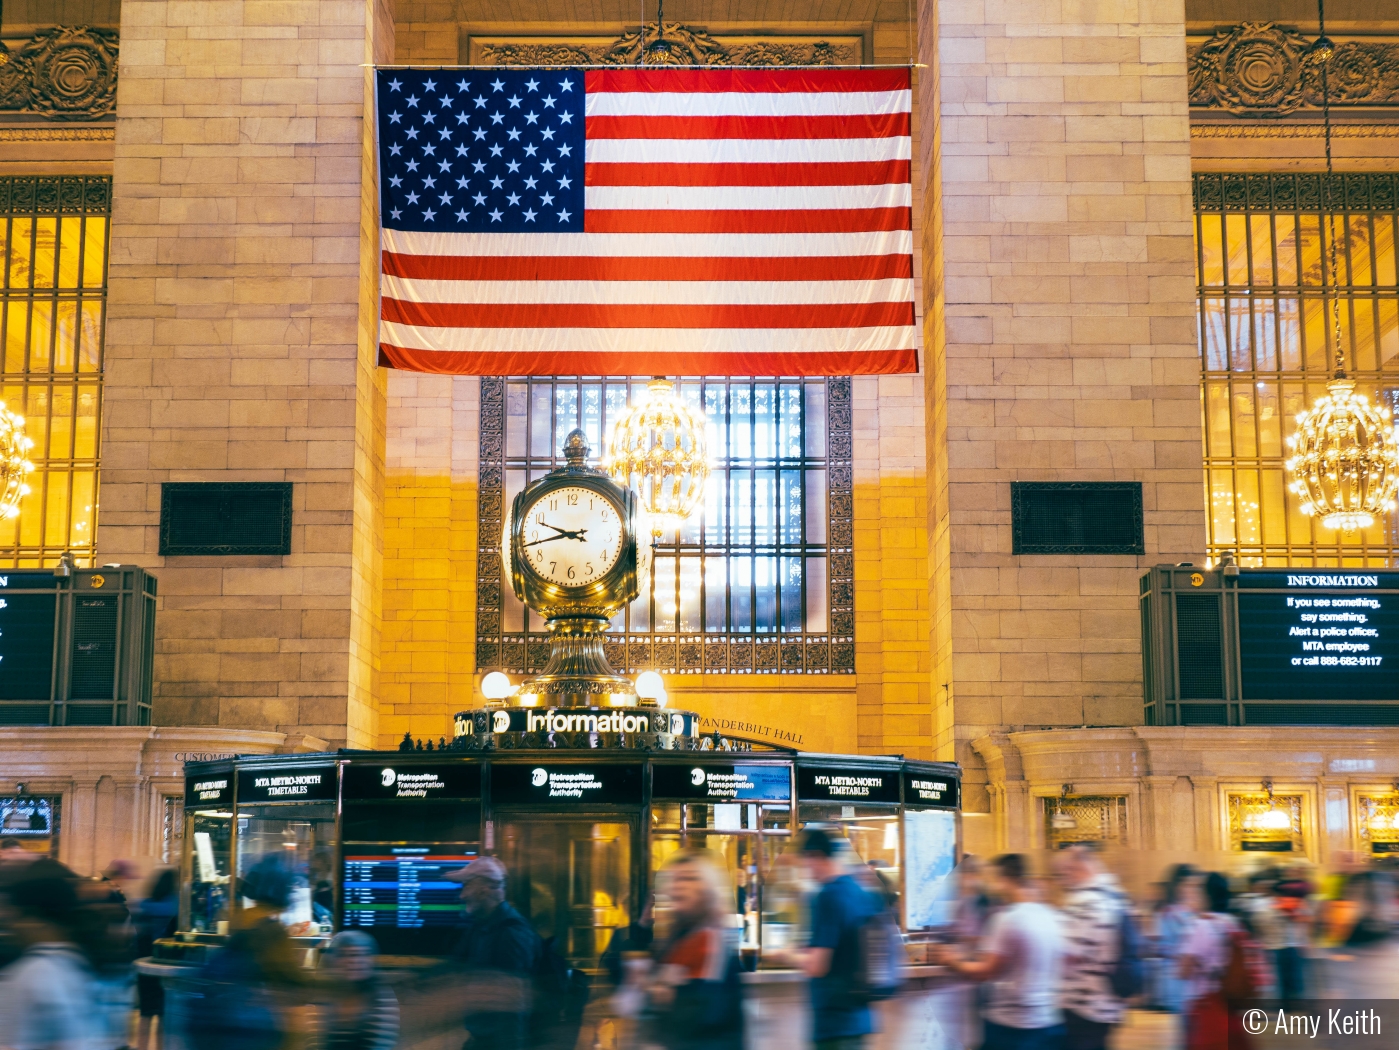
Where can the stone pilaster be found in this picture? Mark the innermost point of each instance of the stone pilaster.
(240, 348)
(1070, 345)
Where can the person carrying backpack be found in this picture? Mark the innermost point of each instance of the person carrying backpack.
(1102, 963)
(834, 957)
(499, 952)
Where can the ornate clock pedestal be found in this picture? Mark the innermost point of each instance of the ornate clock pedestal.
(578, 674)
(575, 552)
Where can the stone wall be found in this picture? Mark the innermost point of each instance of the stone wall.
(236, 350)
(1070, 338)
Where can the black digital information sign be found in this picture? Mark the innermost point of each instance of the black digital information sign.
(1319, 635)
(565, 784)
(26, 636)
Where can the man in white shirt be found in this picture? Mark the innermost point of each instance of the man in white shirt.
(1020, 955)
(1093, 908)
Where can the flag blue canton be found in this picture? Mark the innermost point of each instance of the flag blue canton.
(481, 151)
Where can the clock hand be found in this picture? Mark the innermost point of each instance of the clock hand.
(546, 539)
(564, 534)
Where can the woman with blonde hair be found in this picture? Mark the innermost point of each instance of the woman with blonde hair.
(695, 998)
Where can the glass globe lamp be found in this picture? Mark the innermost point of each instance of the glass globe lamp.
(658, 448)
(1345, 459)
(14, 462)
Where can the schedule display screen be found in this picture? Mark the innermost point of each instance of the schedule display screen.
(398, 894)
(1319, 635)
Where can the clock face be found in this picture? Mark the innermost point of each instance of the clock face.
(572, 536)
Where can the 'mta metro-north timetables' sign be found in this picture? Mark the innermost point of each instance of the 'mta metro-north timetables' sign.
(844, 784)
(289, 784)
(1319, 635)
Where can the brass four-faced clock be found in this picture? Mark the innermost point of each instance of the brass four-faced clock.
(571, 554)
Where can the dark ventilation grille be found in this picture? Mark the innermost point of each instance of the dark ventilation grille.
(1198, 647)
(24, 714)
(94, 650)
(1321, 714)
(220, 518)
(1204, 715)
(1078, 517)
(89, 715)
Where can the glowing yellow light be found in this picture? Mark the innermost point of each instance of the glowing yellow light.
(658, 448)
(14, 462)
(1345, 459)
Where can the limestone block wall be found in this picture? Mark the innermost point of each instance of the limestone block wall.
(1070, 338)
(237, 350)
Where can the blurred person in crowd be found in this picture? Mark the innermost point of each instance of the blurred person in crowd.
(361, 1011)
(973, 902)
(831, 959)
(46, 994)
(695, 998)
(156, 917)
(1173, 921)
(14, 858)
(1093, 908)
(636, 939)
(1366, 964)
(105, 932)
(1257, 908)
(1021, 956)
(498, 951)
(1211, 1023)
(1292, 901)
(253, 988)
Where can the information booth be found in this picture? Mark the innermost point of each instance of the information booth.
(581, 833)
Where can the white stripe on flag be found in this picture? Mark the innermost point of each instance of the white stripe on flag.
(746, 104)
(660, 292)
(654, 245)
(749, 198)
(747, 151)
(648, 340)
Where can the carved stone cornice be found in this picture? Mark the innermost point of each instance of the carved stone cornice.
(677, 45)
(40, 133)
(1262, 69)
(1293, 131)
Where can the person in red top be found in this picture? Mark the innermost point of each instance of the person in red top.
(695, 997)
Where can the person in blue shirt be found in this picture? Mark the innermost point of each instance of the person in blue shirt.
(840, 1021)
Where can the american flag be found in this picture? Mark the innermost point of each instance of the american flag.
(632, 221)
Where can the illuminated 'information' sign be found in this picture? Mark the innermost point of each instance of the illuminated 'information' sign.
(1320, 635)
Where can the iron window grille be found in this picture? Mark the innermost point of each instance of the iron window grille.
(223, 518)
(760, 580)
(1076, 517)
(54, 240)
(1264, 351)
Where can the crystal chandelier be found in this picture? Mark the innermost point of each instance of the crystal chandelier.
(1345, 455)
(14, 462)
(658, 448)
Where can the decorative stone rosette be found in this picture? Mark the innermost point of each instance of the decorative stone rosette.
(62, 73)
(1261, 69)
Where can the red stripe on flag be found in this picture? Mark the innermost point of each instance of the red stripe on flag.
(838, 126)
(644, 268)
(849, 173)
(832, 220)
(666, 315)
(563, 363)
(716, 80)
